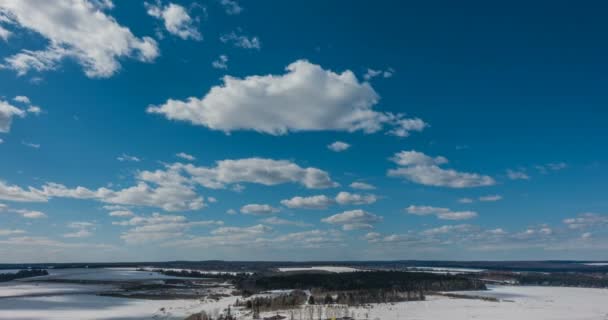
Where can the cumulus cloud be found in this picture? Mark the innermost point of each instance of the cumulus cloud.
(404, 126)
(30, 214)
(354, 219)
(255, 170)
(231, 7)
(259, 209)
(76, 29)
(422, 169)
(372, 73)
(18, 194)
(159, 227)
(5, 34)
(185, 156)
(7, 113)
(361, 186)
(121, 213)
(82, 230)
(338, 146)
(241, 41)
(586, 220)
(221, 62)
(318, 202)
(347, 198)
(441, 213)
(11, 232)
(176, 20)
(305, 98)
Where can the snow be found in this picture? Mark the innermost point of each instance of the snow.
(321, 268)
(89, 307)
(518, 302)
(101, 274)
(597, 264)
(442, 270)
(13, 289)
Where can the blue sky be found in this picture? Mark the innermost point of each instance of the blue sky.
(302, 130)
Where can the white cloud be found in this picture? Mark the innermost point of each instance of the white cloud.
(338, 146)
(22, 99)
(587, 220)
(159, 227)
(185, 156)
(241, 41)
(221, 62)
(490, 198)
(7, 112)
(285, 222)
(18, 194)
(176, 19)
(231, 6)
(362, 186)
(31, 144)
(83, 230)
(465, 200)
(517, 175)
(121, 213)
(259, 209)
(125, 157)
(30, 214)
(253, 230)
(231, 212)
(10, 232)
(255, 170)
(422, 169)
(557, 166)
(459, 228)
(347, 198)
(306, 98)
(5, 34)
(313, 202)
(371, 73)
(354, 219)
(77, 29)
(441, 213)
(403, 126)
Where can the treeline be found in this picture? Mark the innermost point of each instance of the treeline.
(199, 274)
(22, 274)
(355, 281)
(564, 279)
(272, 303)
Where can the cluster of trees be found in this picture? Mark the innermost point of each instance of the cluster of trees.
(564, 279)
(272, 303)
(200, 274)
(364, 281)
(204, 316)
(22, 274)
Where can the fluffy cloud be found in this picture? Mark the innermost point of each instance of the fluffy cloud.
(441, 213)
(16, 193)
(221, 62)
(241, 41)
(30, 214)
(259, 209)
(185, 156)
(159, 227)
(587, 220)
(422, 169)
(5, 34)
(77, 29)
(354, 219)
(305, 98)
(403, 127)
(338, 146)
(313, 202)
(10, 232)
(362, 186)
(231, 6)
(9, 111)
(176, 19)
(371, 73)
(121, 213)
(256, 170)
(347, 198)
(82, 230)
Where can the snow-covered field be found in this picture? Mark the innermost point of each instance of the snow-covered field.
(91, 307)
(321, 268)
(14, 289)
(597, 264)
(442, 270)
(101, 274)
